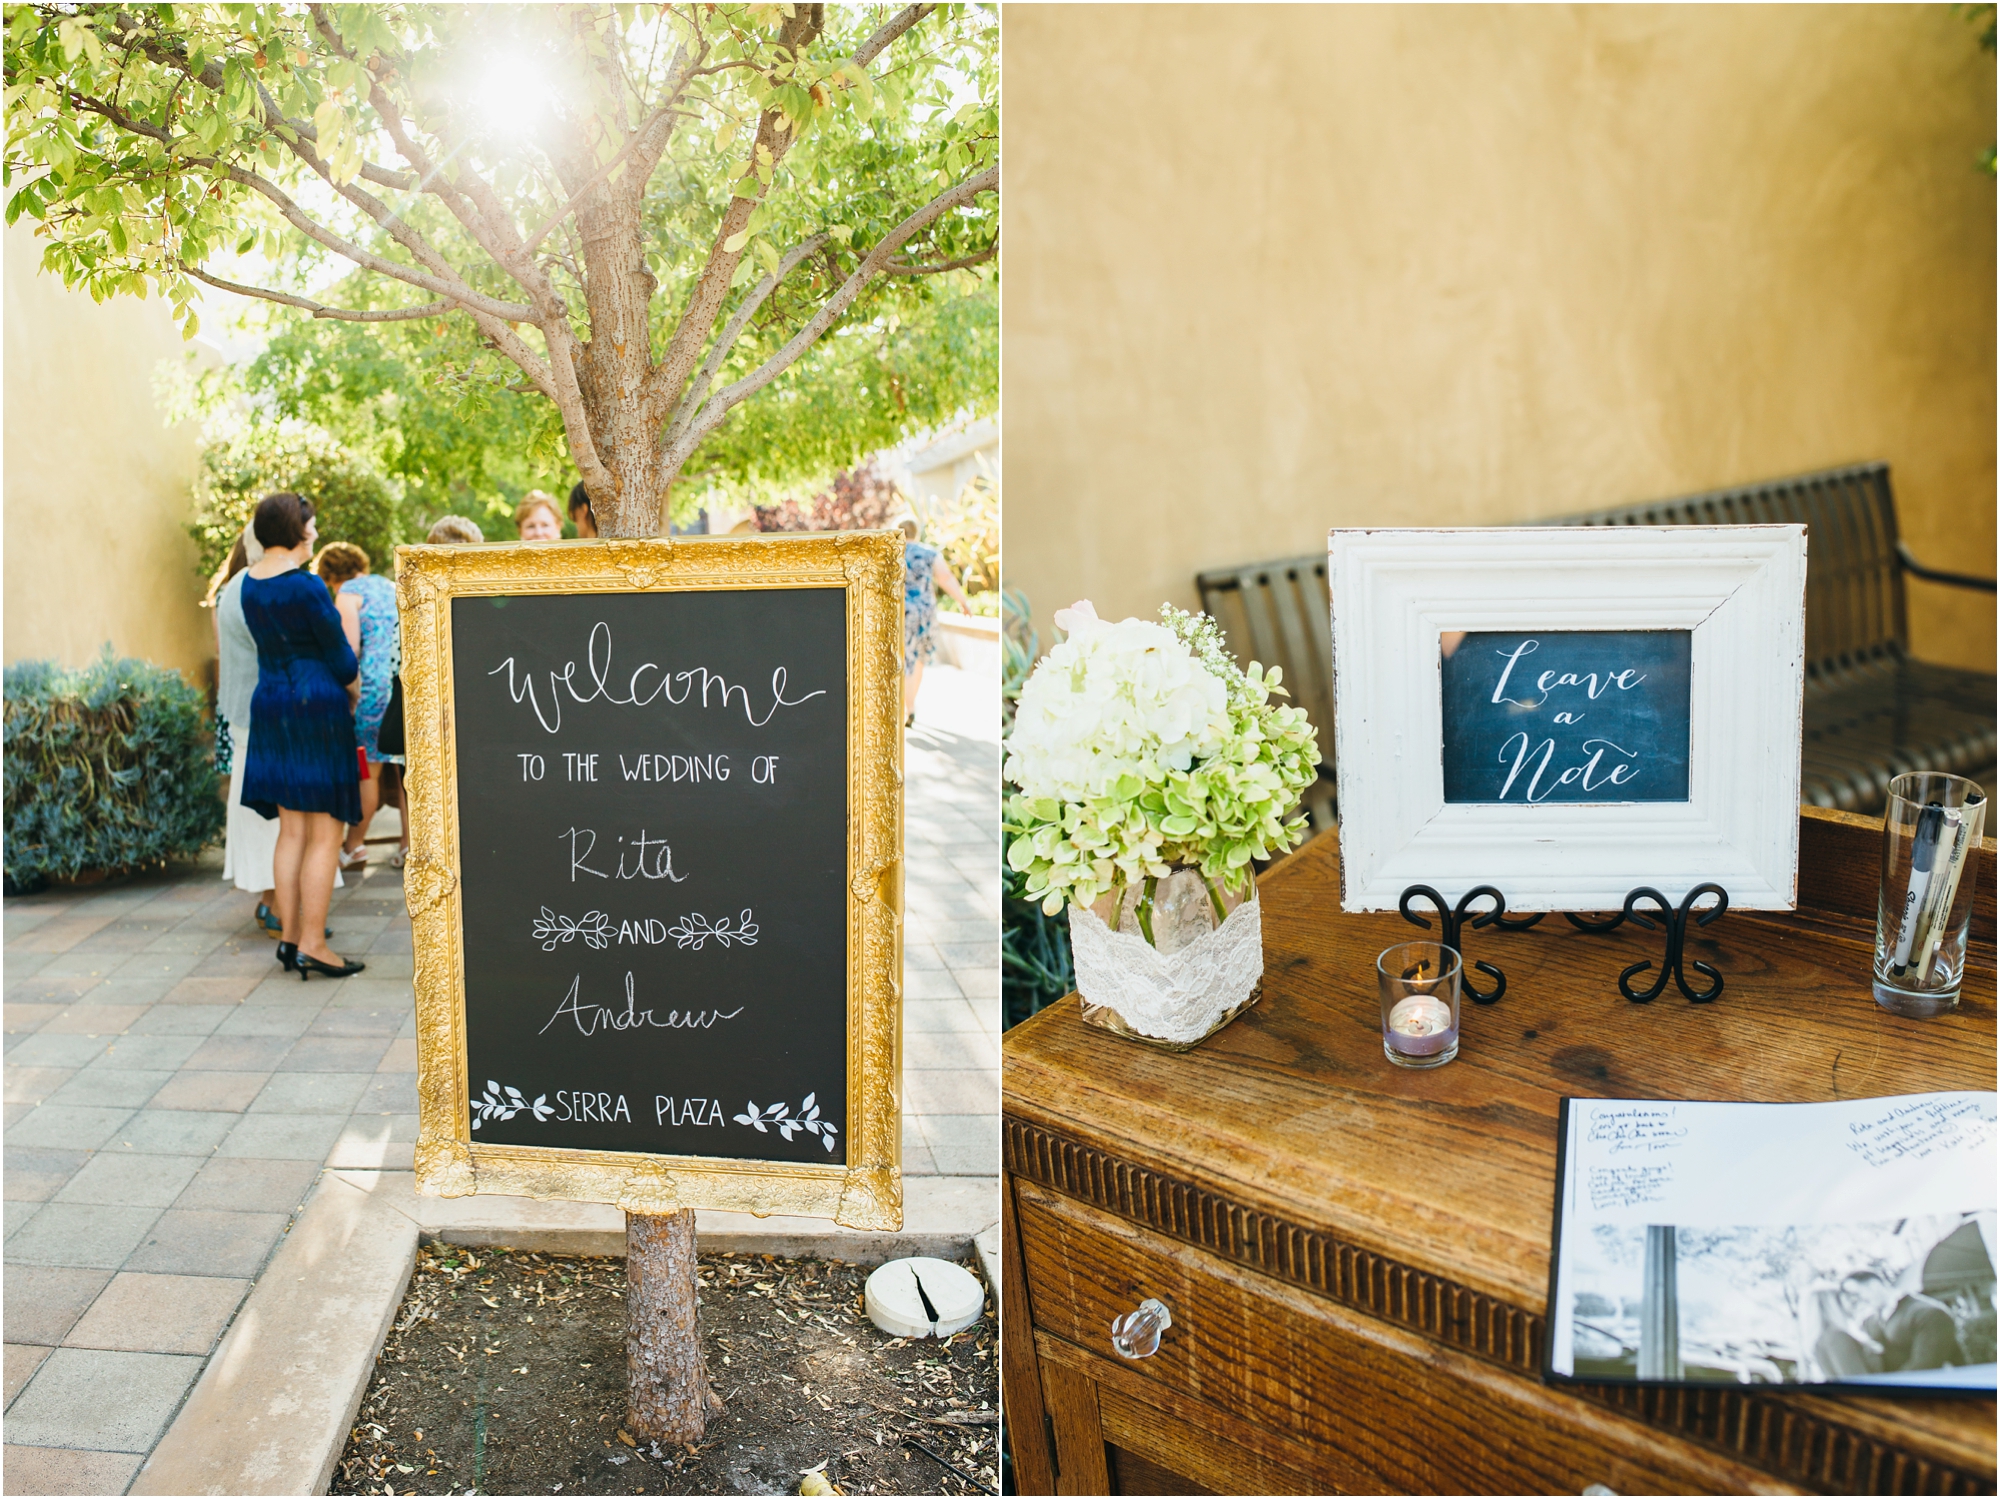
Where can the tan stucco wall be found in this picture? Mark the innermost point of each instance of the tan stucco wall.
(1271, 270)
(96, 484)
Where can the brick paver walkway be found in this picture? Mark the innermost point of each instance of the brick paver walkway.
(171, 1098)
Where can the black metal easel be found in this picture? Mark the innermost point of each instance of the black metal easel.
(1452, 918)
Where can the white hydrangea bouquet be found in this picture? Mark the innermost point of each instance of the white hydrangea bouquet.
(1152, 770)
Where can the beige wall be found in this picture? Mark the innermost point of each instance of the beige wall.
(96, 484)
(1271, 270)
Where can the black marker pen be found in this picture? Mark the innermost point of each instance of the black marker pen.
(1923, 859)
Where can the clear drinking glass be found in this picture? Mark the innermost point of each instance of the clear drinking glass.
(1418, 983)
(1930, 833)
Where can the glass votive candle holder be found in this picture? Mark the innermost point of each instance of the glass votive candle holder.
(1419, 987)
(1930, 836)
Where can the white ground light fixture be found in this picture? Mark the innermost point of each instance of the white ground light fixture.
(924, 1298)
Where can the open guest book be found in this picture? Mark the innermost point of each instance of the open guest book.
(1826, 1244)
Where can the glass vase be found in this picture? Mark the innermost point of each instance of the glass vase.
(1196, 974)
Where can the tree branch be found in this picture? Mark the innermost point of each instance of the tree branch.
(320, 309)
(463, 207)
(691, 402)
(392, 223)
(718, 405)
(211, 78)
(597, 179)
(894, 27)
(567, 393)
(475, 205)
(667, 380)
(903, 268)
(454, 290)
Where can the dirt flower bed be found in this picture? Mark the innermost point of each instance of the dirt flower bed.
(505, 1374)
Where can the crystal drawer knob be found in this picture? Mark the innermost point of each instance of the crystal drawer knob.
(1136, 1335)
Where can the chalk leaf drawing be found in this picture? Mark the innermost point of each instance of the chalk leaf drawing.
(552, 930)
(693, 930)
(781, 1118)
(505, 1103)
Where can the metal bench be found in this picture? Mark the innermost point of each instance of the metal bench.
(1871, 710)
(1280, 614)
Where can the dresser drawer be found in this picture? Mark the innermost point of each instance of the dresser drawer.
(1367, 1406)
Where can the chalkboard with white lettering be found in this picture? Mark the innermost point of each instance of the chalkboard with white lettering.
(1566, 716)
(652, 817)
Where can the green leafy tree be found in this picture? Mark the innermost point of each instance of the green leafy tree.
(248, 459)
(644, 215)
(440, 414)
(406, 396)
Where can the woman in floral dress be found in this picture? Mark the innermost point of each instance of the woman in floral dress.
(924, 572)
(367, 606)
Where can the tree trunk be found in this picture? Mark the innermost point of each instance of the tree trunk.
(669, 1396)
(638, 509)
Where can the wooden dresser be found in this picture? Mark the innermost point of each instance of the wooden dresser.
(1356, 1257)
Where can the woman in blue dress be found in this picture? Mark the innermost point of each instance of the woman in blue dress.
(367, 607)
(924, 572)
(301, 764)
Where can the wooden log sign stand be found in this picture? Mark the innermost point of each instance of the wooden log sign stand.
(655, 887)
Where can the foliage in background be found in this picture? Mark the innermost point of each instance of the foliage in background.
(907, 367)
(643, 216)
(410, 398)
(1139, 747)
(110, 768)
(244, 460)
(858, 499)
(440, 413)
(966, 528)
(1036, 968)
(1020, 647)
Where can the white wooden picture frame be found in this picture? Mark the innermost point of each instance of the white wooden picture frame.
(1740, 590)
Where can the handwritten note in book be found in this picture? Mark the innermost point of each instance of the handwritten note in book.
(1923, 1129)
(1744, 1163)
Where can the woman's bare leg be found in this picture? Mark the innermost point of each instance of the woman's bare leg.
(371, 799)
(285, 862)
(911, 682)
(316, 870)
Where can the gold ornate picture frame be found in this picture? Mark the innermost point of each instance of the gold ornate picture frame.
(865, 1191)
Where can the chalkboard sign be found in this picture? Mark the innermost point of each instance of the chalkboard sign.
(1560, 716)
(662, 783)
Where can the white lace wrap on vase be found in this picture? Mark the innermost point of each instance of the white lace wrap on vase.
(1172, 996)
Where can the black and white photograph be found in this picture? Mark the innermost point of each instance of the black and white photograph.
(1902, 1302)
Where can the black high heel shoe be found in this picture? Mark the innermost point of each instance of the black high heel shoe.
(287, 951)
(306, 965)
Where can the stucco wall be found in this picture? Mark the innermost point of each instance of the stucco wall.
(96, 483)
(1271, 270)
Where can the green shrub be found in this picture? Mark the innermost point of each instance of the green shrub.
(109, 768)
(351, 499)
(1036, 967)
